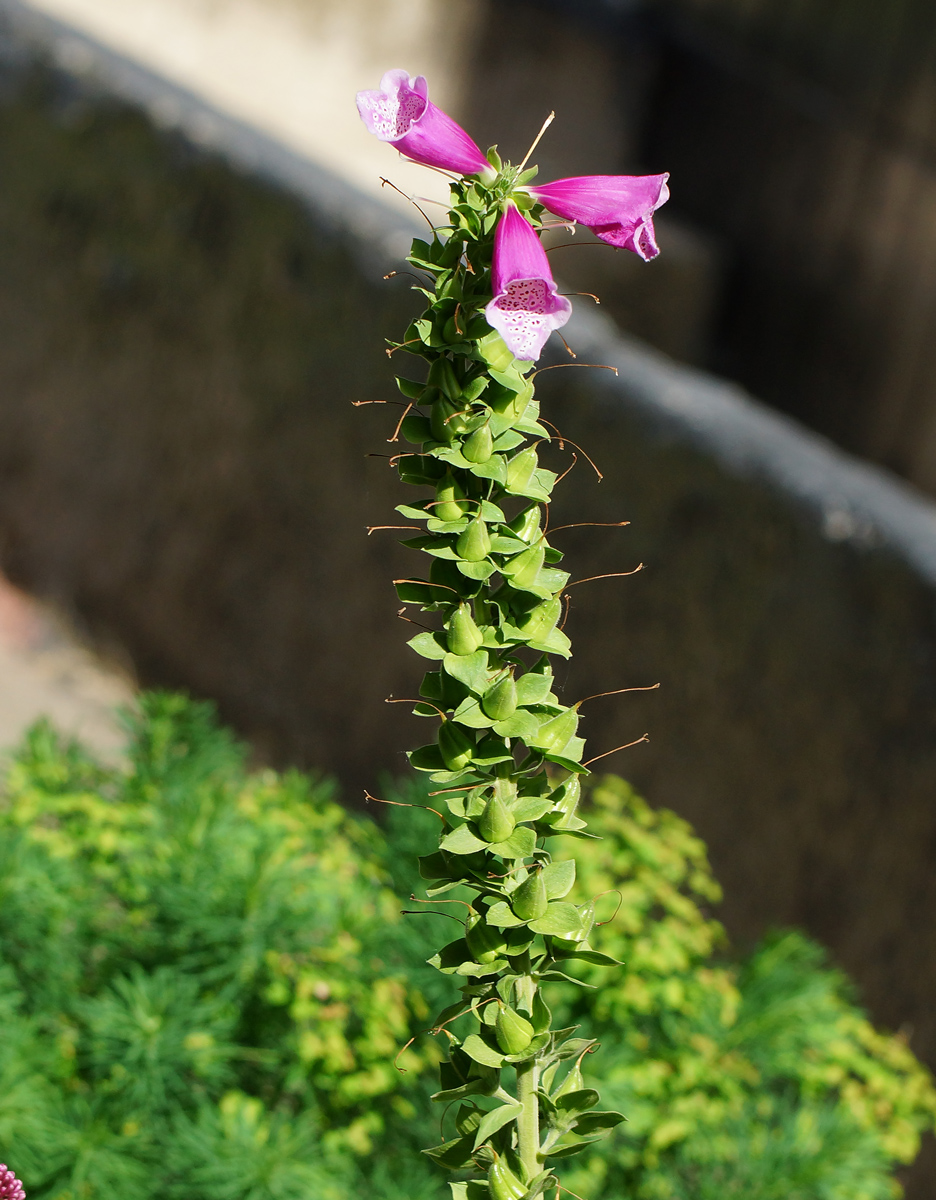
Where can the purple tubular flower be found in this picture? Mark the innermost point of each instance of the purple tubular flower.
(617, 208)
(10, 1186)
(525, 309)
(401, 113)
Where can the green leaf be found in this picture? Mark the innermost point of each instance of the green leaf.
(533, 687)
(520, 844)
(596, 1122)
(474, 570)
(462, 841)
(496, 1119)
(411, 592)
(586, 954)
(569, 1148)
(560, 919)
(556, 642)
(502, 916)
(426, 758)
(553, 976)
(539, 1184)
(521, 724)
(495, 468)
(451, 956)
(481, 1052)
(473, 1087)
(569, 763)
(473, 1189)
(454, 1155)
(473, 969)
(580, 1101)
(429, 645)
(492, 749)
(470, 713)
(559, 878)
(509, 378)
(410, 388)
(531, 808)
(469, 669)
(434, 866)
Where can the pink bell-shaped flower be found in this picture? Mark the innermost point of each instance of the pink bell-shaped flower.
(526, 307)
(616, 208)
(401, 113)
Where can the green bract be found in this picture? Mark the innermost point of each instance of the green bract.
(506, 757)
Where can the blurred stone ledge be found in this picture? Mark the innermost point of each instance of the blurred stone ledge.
(187, 313)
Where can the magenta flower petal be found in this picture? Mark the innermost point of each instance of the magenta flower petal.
(10, 1186)
(401, 113)
(526, 308)
(617, 208)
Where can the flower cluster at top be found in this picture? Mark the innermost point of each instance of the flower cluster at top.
(526, 306)
(10, 1186)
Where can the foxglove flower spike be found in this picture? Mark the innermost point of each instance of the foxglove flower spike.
(616, 208)
(10, 1186)
(526, 307)
(401, 113)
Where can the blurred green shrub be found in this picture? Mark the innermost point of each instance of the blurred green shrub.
(204, 979)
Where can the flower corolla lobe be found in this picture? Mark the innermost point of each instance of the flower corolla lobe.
(616, 208)
(526, 307)
(401, 113)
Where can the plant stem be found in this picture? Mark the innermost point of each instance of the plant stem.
(528, 1121)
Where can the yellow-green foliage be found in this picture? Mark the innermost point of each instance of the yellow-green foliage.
(729, 1074)
(194, 956)
(204, 979)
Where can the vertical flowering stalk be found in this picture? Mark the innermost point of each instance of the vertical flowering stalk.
(506, 758)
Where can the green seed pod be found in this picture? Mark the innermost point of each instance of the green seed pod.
(587, 916)
(464, 637)
(448, 493)
(529, 901)
(513, 1032)
(524, 569)
(442, 375)
(527, 524)
(573, 1082)
(554, 735)
(480, 446)
(456, 748)
(502, 1183)
(520, 469)
(474, 542)
(451, 333)
(497, 822)
(500, 701)
(484, 941)
(566, 798)
(416, 429)
(441, 420)
(541, 1016)
(543, 619)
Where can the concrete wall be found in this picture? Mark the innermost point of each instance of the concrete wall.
(187, 316)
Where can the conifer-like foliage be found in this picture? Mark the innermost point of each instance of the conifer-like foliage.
(204, 977)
